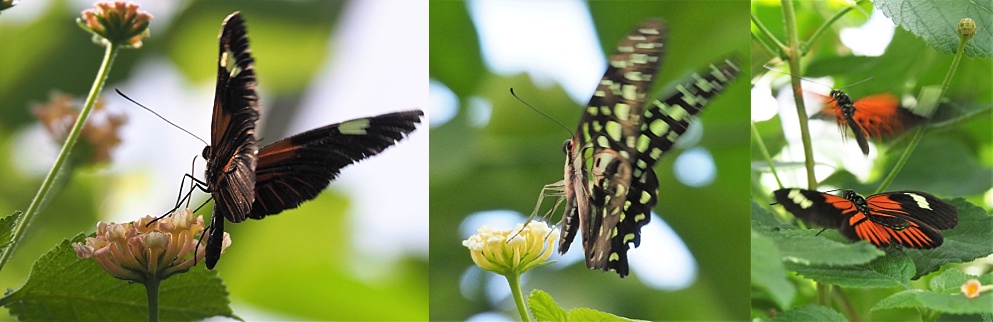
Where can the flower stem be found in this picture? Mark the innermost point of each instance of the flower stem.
(793, 56)
(514, 279)
(46, 186)
(919, 135)
(152, 290)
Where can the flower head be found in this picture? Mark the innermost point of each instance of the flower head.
(512, 251)
(972, 288)
(967, 28)
(116, 23)
(140, 251)
(100, 133)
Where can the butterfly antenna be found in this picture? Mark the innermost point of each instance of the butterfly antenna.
(160, 116)
(542, 113)
(797, 76)
(856, 83)
(812, 81)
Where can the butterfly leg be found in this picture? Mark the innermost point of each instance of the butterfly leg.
(556, 190)
(194, 182)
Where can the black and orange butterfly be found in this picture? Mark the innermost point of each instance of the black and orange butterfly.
(907, 218)
(875, 117)
(248, 182)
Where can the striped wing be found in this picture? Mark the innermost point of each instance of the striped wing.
(296, 169)
(908, 218)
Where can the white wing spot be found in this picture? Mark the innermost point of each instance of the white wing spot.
(921, 201)
(799, 199)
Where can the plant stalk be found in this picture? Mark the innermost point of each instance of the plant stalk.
(152, 290)
(514, 279)
(46, 186)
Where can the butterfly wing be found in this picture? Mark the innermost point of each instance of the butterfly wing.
(815, 207)
(613, 112)
(231, 156)
(909, 218)
(296, 169)
(881, 116)
(625, 184)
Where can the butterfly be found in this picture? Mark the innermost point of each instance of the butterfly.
(609, 185)
(248, 182)
(877, 116)
(908, 218)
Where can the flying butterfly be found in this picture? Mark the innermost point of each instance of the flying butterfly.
(609, 184)
(908, 218)
(875, 117)
(248, 182)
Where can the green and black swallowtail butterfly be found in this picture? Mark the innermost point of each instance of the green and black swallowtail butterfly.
(610, 186)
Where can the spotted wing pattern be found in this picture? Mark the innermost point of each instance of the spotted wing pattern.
(610, 184)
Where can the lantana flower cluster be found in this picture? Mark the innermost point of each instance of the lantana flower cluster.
(148, 249)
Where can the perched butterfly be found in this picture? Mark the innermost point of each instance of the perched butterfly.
(609, 184)
(876, 117)
(908, 218)
(247, 182)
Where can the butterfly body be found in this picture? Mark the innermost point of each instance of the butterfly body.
(875, 117)
(609, 183)
(908, 218)
(250, 182)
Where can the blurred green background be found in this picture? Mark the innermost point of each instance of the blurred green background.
(955, 158)
(491, 155)
(341, 256)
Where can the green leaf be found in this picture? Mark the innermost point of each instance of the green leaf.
(936, 22)
(586, 314)
(814, 247)
(7, 224)
(60, 284)
(544, 308)
(768, 272)
(762, 217)
(948, 298)
(810, 313)
(887, 271)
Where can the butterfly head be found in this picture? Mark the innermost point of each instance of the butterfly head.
(567, 146)
(856, 199)
(841, 98)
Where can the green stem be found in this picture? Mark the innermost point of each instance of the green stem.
(768, 34)
(514, 279)
(152, 290)
(793, 57)
(765, 154)
(46, 186)
(820, 30)
(919, 135)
